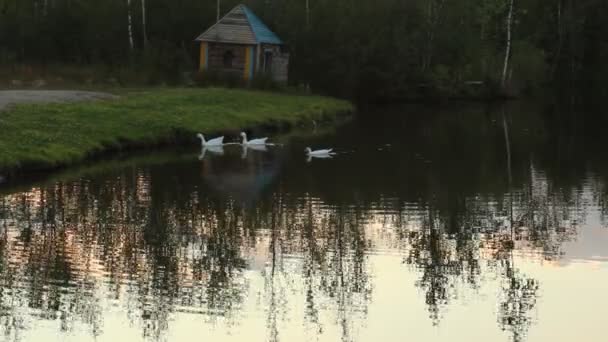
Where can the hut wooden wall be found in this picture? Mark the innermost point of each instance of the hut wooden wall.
(204, 55)
(279, 65)
(215, 57)
(245, 60)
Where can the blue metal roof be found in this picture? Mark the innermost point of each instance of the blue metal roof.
(240, 26)
(261, 32)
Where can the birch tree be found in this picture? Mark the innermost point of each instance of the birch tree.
(217, 16)
(130, 26)
(308, 14)
(505, 67)
(143, 23)
(434, 10)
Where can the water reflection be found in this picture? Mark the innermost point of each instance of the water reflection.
(246, 148)
(309, 157)
(228, 240)
(212, 150)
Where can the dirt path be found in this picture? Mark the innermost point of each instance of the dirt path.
(10, 97)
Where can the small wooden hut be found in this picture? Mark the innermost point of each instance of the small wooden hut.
(242, 44)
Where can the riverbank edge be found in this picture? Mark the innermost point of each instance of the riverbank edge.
(328, 111)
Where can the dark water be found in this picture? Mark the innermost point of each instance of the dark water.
(467, 223)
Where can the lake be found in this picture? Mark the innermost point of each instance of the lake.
(432, 223)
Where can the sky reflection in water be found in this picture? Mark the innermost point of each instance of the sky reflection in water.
(435, 231)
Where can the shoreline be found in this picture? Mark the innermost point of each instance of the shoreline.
(58, 135)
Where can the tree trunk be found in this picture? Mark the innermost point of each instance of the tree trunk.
(508, 49)
(308, 14)
(505, 126)
(434, 10)
(560, 37)
(130, 26)
(143, 23)
(217, 17)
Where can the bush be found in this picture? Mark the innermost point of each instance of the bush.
(264, 81)
(219, 78)
(229, 79)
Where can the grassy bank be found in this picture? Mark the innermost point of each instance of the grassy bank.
(38, 136)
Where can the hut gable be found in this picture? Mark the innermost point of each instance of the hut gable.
(240, 26)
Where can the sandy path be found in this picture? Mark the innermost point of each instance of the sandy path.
(10, 97)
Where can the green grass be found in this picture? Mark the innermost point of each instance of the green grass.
(50, 135)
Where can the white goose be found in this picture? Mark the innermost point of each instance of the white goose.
(319, 153)
(213, 142)
(260, 141)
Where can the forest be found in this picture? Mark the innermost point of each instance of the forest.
(383, 49)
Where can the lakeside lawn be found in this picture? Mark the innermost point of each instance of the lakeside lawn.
(37, 136)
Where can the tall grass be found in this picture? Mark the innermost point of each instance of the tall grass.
(44, 136)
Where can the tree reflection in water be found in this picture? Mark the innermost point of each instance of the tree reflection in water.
(155, 245)
(66, 246)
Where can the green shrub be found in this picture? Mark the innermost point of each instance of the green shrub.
(264, 81)
(219, 78)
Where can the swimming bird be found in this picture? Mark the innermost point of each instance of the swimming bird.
(319, 153)
(260, 141)
(213, 142)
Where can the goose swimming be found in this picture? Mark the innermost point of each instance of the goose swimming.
(259, 141)
(319, 153)
(213, 142)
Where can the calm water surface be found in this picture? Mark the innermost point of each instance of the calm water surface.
(431, 224)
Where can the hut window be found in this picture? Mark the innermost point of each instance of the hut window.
(228, 58)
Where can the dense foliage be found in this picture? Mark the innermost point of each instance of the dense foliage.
(382, 48)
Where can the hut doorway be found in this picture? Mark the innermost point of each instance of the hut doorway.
(267, 67)
(228, 59)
